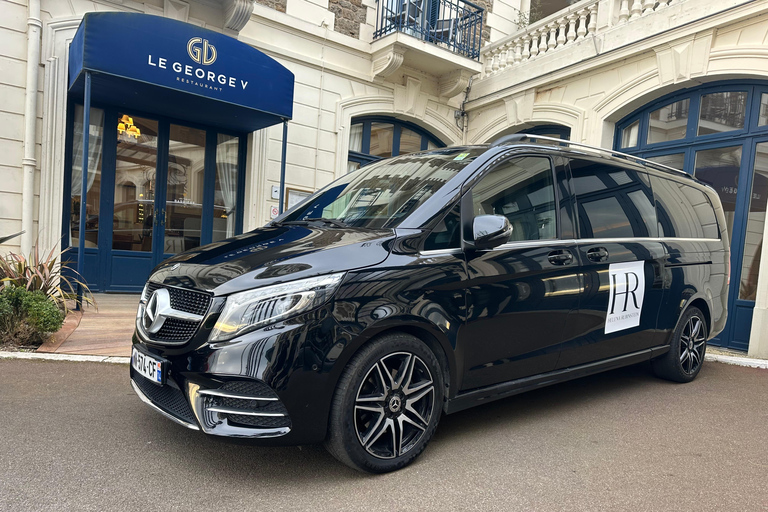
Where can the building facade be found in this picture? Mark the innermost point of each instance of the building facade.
(684, 82)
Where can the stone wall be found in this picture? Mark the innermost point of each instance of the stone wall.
(349, 15)
(488, 6)
(278, 5)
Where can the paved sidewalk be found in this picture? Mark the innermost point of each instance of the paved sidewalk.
(106, 332)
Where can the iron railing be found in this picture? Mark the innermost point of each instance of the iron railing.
(456, 25)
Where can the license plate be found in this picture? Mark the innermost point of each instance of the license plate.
(149, 367)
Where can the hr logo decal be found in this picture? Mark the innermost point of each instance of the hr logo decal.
(205, 55)
(627, 290)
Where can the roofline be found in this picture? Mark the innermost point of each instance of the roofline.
(521, 137)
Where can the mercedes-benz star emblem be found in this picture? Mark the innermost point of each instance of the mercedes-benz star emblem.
(157, 310)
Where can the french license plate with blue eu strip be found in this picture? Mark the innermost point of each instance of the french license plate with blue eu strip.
(149, 367)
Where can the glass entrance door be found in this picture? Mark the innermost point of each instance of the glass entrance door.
(134, 220)
(155, 188)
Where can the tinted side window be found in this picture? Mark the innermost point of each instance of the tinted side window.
(613, 201)
(521, 189)
(683, 211)
(447, 233)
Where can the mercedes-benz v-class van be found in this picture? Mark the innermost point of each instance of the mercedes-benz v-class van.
(429, 283)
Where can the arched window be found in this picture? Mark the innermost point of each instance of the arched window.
(719, 134)
(556, 131)
(374, 138)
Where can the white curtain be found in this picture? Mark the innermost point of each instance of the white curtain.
(226, 167)
(95, 145)
(356, 138)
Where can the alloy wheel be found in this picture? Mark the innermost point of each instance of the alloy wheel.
(394, 405)
(692, 341)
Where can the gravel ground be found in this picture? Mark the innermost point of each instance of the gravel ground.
(75, 437)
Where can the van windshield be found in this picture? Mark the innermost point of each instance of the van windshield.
(383, 194)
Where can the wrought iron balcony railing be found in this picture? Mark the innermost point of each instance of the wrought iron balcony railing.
(456, 25)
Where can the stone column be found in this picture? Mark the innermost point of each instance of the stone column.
(758, 338)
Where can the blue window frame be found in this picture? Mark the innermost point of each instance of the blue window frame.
(375, 137)
(724, 126)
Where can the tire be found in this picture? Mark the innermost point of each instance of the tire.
(686, 353)
(387, 405)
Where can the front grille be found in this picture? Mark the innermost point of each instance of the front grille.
(259, 421)
(254, 389)
(175, 330)
(168, 398)
(189, 301)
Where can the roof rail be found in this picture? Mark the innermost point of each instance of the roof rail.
(521, 137)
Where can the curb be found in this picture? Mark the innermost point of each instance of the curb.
(738, 361)
(65, 357)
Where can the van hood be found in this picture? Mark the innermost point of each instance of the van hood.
(272, 255)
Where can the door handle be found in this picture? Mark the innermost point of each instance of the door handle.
(597, 254)
(560, 257)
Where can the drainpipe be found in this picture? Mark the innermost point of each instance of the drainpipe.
(28, 163)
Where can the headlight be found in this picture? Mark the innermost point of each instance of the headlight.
(250, 310)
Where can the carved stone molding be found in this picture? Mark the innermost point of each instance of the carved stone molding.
(388, 60)
(237, 13)
(454, 83)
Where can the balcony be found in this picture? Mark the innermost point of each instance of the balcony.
(456, 25)
(585, 30)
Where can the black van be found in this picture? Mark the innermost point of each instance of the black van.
(431, 283)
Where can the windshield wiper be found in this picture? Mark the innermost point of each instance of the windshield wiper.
(333, 222)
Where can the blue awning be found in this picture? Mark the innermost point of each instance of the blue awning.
(161, 66)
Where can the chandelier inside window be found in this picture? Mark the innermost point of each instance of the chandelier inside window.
(126, 130)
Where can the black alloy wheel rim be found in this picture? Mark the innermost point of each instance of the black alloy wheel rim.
(692, 341)
(394, 405)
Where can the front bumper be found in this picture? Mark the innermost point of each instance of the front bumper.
(275, 383)
(238, 408)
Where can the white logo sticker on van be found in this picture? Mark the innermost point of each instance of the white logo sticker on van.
(625, 303)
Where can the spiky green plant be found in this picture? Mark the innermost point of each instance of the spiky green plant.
(44, 274)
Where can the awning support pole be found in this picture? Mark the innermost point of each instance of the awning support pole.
(282, 167)
(84, 185)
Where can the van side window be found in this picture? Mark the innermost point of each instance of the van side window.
(613, 201)
(447, 233)
(523, 190)
(684, 211)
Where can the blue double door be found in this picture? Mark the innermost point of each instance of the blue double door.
(157, 188)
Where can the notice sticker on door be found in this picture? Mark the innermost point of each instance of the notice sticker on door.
(625, 302)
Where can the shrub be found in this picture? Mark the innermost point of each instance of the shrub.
(27, 317)
(43, 273)
(40, 313)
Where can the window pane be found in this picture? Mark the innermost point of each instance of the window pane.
(629, 135)
(669, 122)
(93, 190)
(381, 139)
(763, 118)
(675, 160)
(753, 242)
(613, 201)
(225, 195)
(184, 194)
(447, 233)
(135, 186)
(410, 142)
(540, 9)
(722, 112)
(431, 145)
(720, 169)
(352, 166)
(356, 137)
(521, 189)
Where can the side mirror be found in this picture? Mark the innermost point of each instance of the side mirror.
(491, 231)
